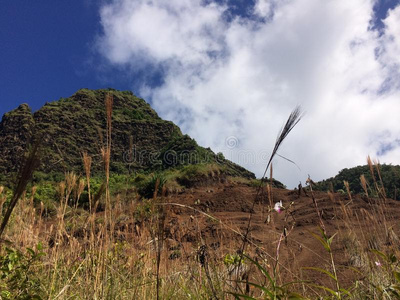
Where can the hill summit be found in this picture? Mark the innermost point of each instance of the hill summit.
(141, 140)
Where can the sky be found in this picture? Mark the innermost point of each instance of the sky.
(228, 72)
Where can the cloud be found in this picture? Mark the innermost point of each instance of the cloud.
(241, 77)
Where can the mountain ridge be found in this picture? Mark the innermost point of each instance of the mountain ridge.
(66, 128)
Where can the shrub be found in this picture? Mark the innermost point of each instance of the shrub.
(18, 279)
(146, 189)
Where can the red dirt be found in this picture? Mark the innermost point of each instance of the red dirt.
(231, 204)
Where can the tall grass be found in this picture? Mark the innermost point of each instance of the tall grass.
(133, 248)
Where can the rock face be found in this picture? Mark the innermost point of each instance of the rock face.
(15, 132)
(66, 128)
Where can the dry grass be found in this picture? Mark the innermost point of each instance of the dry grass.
(89, 257)
(130, 250)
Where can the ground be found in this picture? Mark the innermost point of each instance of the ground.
(218, 216)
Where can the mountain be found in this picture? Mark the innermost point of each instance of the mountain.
(390, 175)
(141, 140)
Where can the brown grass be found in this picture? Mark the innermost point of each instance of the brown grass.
(123, 249)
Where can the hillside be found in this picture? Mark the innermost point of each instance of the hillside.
(209, 222)
(390, 178)
(141, 140)
(203, 227)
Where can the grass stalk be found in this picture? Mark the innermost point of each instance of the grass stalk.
(25, 175)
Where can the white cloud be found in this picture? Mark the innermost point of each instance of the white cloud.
(242, 77)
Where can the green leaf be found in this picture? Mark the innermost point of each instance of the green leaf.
(392, 258)
(355, 270)
(31, 252)
(264, 289)
(39, 247)
(346, 292)
(380, 253)
(322, 241)
(262, 269)
(295, 282)
(331, 239)
(325, 289)
(321, 271)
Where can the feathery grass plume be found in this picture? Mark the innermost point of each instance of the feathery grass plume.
(79, 190)
(101, 137)
(1, 189)
(61, 190)
(347, 186)
(371, 169)
(106, 230)
(378, 170)
(364, 184)
(269, 194)
(70, 180)
(41, 212)
(331, 197)
(87, 163)
(33, 193)
(24, 176)
(32, 207)
(294, 118)
(107, 151)
(63, 202)
(98, 195)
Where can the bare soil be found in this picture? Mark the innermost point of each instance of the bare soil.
(218, 216)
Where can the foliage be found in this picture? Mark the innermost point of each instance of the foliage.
(268, 286)
(71, 126)
(190, 175)
(183, 150)
(18, 279)
(233, 260)
(147, 188)
(46, 193)
(390, 177)
(391, 272)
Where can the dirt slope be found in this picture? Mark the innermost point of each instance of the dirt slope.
(360, 224)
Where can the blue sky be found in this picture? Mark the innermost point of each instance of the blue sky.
(47, 50)
(218, 51)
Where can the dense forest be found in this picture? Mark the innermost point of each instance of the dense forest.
(389, 174)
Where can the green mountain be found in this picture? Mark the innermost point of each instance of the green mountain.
(390, 177)
(141, 140)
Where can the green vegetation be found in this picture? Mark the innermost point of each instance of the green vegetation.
(390, 178)
(120, 261)
(110, 231)
(18, 277)
(141, 140)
